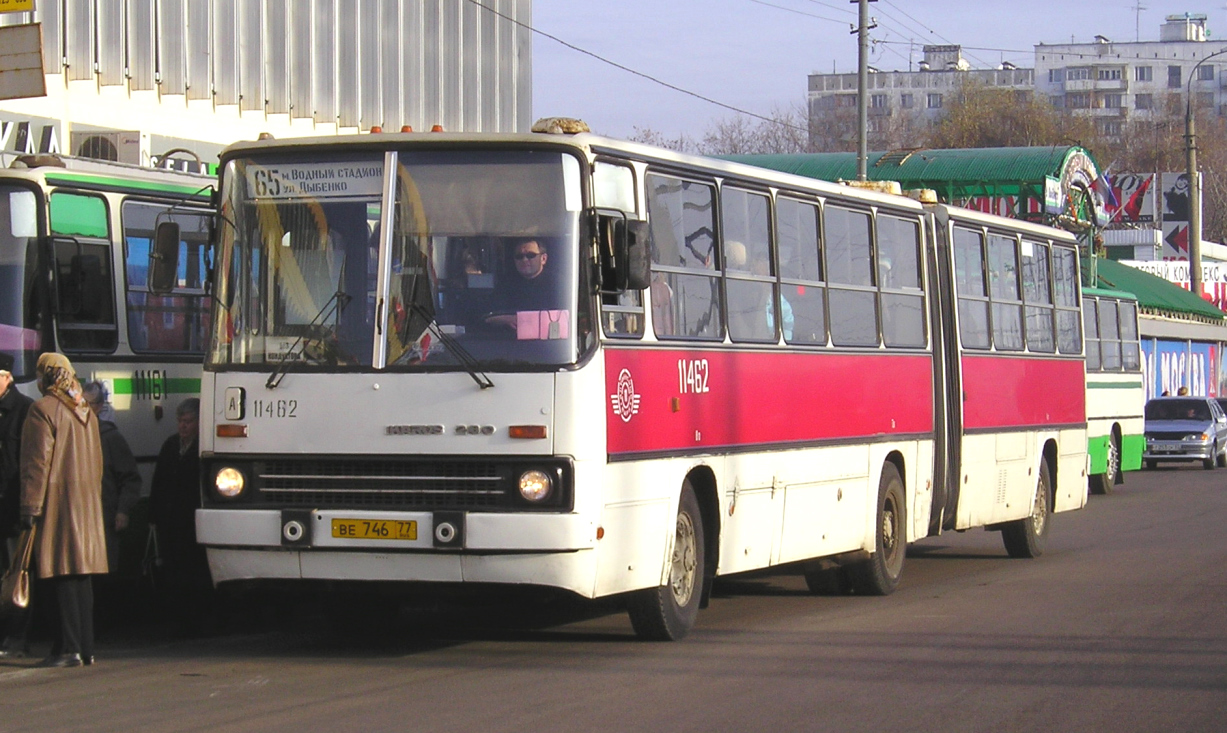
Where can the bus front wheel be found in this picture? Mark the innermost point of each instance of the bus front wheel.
(1103, 483)
(879, 575)
(1025, 537)
(667, 613)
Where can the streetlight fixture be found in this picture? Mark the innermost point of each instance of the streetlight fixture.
(1190, 152)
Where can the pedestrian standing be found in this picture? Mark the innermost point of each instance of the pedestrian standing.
(121, 482)
(61, 495)
(174, 497)
(14, 406)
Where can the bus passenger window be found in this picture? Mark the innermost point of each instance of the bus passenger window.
(972, 292)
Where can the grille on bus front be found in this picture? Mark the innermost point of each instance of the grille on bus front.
(347, 483)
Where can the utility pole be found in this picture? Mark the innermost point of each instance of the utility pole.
(862, 96)
(1190, 154)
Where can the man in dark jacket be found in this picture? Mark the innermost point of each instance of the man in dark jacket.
(14, 406)
(121, 482)
(174, 497)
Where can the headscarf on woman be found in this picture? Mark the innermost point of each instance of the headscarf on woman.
(56, 377)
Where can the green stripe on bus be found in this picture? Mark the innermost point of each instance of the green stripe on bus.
(1131, 450)
(174, 385)
(83, 179)
(1113, 385)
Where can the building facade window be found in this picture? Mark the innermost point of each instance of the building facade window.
(1110, 127)
(1056, 75)
(1077, 101)
(906, 101)
(877, 101)
(1108, 74)
(1205, 72)
(1113, 101)
(1143, 73)
(1082, 73)
(1173, 77)
(935, 101)
(1144, 101)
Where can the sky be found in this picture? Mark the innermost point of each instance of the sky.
(756, 55)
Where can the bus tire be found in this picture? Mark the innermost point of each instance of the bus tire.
(1103, 483)
(1026, 537)
(879, 575)
(667, 613)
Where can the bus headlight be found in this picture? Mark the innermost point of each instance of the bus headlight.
(536, 485)
(229, 482)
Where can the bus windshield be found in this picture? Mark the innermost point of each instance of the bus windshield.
(478, 269)
(20, 332)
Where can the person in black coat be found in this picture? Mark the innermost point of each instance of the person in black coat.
(174, 497)
(14, 406)
(121, 482)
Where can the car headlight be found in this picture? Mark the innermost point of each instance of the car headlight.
(229, 482)
(1197, 436)
(535, 485)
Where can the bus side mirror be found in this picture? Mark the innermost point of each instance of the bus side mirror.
(164, 258)
(623, 245)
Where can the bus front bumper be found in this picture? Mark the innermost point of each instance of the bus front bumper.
(478, 547)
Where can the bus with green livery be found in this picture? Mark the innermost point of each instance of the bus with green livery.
(74, 255)
(1115, 387)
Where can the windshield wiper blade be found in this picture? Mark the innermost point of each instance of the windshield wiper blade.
(467, 361)
(336, 303)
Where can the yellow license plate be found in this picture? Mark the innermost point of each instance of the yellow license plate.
(374, 529)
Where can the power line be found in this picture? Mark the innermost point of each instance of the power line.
(930, 30)
(629, 70)
(798, 12)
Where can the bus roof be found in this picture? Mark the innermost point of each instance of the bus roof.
(102, 175)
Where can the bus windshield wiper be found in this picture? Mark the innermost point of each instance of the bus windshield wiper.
(467, 361)
(334, 304)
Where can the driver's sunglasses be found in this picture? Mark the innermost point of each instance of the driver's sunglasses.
(528, 255)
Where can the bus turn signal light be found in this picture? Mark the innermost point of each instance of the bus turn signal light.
(527, 432)
(231, 430)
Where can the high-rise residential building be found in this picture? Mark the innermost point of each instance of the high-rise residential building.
(1115, 81)
(901, 103)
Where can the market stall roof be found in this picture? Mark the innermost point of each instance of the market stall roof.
(1155, 295)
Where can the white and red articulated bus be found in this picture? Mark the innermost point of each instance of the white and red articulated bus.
(567, 361)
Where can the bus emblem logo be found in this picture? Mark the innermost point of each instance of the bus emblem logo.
(625, 401)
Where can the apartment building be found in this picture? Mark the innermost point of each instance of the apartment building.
(1116, 81)
(901, 102)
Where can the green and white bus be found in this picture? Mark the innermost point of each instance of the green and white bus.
(1115, 387)
(74, 253)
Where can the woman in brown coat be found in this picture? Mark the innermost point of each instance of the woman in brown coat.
(61, 494)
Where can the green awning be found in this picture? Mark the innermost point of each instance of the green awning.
(953, 173)
(1155, 295)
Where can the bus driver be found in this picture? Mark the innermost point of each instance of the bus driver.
(532, 290)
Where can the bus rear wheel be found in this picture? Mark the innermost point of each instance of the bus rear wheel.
(1026, 537)
(879, 575)
(667, 613)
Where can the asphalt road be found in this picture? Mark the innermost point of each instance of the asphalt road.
(1120, 626)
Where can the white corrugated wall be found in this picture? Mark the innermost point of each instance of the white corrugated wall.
(351, 63)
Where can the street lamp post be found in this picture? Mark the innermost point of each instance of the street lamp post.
(1190, 154)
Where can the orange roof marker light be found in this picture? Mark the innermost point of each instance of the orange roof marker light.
(375, 129)
(406, 128)
(265, 136)
(436, 128)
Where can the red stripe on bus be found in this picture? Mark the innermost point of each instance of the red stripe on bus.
(1003, 392)
(660, 400)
